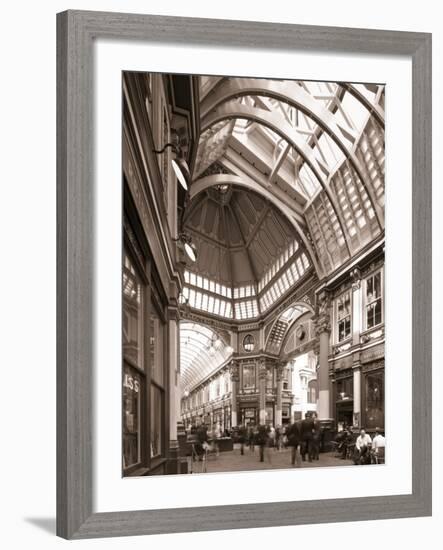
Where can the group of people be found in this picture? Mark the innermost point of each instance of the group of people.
(367, 450)
(261, 436)
(302, 436)
(363, 449)
(304, 439)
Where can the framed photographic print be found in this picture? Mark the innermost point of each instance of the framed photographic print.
(244, 274)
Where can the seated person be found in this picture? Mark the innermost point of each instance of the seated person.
(362, 446)
(378, 445)
(344, 438)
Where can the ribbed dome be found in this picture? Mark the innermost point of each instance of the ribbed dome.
(238, 234)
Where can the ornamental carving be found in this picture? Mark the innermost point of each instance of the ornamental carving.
(280, 371)
(355, 278)
(234, 371)
(262, 369)
(323, 319)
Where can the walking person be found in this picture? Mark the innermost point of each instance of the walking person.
(262, 439)
(251, 437)
(278, 438)
(307, 427)
(315, 441)
(242, 439)
(294, 439)
(201, 440)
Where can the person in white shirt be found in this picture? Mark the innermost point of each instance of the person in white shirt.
(362, 445)
(379, 442)
(363, 440)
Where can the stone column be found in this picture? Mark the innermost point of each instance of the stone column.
(357, 323)
(357, 396)
(235, 377)
(323, 330)
(279, 371)
(262, 372)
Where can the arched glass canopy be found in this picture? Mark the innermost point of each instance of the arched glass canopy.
(318, 147)
(202, 352)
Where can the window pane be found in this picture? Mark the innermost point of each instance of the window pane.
(374, 393)
(132, 322)
(156, 421)
(377, 285)
(370, 289)
(248, 377)
(131, 416)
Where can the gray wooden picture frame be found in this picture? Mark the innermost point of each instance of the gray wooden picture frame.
(76, 32)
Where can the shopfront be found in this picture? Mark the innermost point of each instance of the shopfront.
(145, 377)
(373, 396)
(344, 398)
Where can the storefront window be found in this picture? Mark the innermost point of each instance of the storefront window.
(312, 391)
(249, 416)
(132, 322)
(131, 416)
(248, 377)
(344, 316)
(373, 301)
(374, 393)
(156, 347)
(156, 420)
(345, 389)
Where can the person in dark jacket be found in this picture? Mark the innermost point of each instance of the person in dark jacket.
(201, 439)
(251, 437)
(294, 439)
(315, 441)
(307, 427)
(262, 440)
(242, 438)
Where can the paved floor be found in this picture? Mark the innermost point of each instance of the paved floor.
(234, 461)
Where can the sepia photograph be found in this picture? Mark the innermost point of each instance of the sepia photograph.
(253, 304)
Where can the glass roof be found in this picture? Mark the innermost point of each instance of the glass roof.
(348, 113)
(241, 303)
(317, 147)
(202, 352)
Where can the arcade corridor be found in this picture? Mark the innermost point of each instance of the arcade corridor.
(253, 271)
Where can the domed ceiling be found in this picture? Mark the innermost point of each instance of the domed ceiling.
(238, 234)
